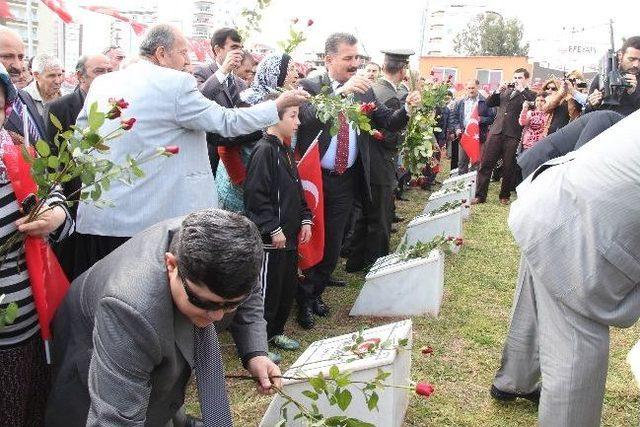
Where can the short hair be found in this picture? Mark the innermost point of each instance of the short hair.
(373, 63)
(336, 39)
(161, 35)
(221, 35)
(633, 42)
(109, 49)
(81, 65)
(475, 81)
(219, 250)
(43, 61)
(392, 66)
(247, 55)
(542, 94)
(523, 71)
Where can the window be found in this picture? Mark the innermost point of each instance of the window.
(443, 73)
(489, 79)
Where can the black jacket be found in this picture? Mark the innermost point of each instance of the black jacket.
(273, 195)
(628, 103)
(66, 109)
(14, 122)
(508, 111)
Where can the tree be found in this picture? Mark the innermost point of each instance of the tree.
(490, 34)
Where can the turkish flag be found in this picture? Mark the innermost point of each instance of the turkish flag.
(137, 27)
(310, 174)
(58, 7)
(5, 12)
(470, 140)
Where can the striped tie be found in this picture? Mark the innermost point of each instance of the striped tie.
(18, 108)
(209, 369)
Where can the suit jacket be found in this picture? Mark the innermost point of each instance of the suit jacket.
(170, 111)
(66, 110)
(486, 116)
(508, 111)
(384, 153)
(14, 122)
(577, 222)
(382, 118)
(122, 352)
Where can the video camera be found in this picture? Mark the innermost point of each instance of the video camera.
(612, 83)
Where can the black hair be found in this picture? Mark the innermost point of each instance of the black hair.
(393, 66)
(221, 35)
(523, 71)
(334, 40)
(633, 42)
(219, 250)
(284, 67)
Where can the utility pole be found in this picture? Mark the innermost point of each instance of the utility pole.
(29, 30)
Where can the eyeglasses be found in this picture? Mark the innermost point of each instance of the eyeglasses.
(210, 305)
(551, 88)
(581, 85)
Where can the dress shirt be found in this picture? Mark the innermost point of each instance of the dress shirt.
(329, 159)
(469, 105)
(220, 75)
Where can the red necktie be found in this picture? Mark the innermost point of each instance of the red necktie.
(342, 150)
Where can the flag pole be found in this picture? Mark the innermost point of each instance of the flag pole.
(29, 30)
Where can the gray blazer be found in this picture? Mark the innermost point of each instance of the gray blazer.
(577, 222)
(169, 110)
(122, 352)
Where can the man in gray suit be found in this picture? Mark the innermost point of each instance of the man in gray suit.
(124, 342)
(577, 222)
(169, 110)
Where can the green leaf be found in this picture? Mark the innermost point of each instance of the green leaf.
(53, 162)
(11, 313)
(372, 403)
(43, 148)
(343, 399)
(137, 171)
(353, 422)
(338, 420)
(334, 372)
(318, 383)
(96, 193)
(310, 394)
(55, 122)
(96, 118)
(403, 342)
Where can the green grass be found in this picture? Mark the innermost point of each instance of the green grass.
(467, 337)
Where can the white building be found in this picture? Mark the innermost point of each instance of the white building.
(19, 22)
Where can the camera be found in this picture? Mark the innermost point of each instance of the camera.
(531, 105)
(511, 85)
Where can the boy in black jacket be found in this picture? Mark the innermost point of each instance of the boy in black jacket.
(274, 201)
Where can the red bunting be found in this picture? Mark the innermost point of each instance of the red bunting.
(5, 12)
(58, 7)
(137, 27)
(310, 173)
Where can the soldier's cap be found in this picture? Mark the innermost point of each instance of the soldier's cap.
(397, 55)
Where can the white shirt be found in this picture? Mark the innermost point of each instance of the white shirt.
(469, 105)
(220, 75)
(329, 159)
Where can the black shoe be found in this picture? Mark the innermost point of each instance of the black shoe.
(320, 308)
(336, 282)
(394, 230)
(193, 422)
(352, 267)
(403, 199)
(305, 316)
(396, 219)
(504, 396)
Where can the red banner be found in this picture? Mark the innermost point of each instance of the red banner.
(137, 27)
(5, 12)
(470, 140)
(58, 7)
(310, 173)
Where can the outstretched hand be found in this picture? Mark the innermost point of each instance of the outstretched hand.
(291, 98)
(267, 373)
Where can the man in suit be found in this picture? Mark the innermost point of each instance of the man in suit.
(577, 223)
(504, 135)
(372, 232)
(66, 110)
(345, 159)
(218, 82)
(12, 57)
(461, 115)
(169, 110)
(133, 327)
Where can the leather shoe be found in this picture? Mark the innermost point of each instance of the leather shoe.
(320, 308)
(394, 230)
(505, 396)
(336, 282)
(476, 201)
(504, 201)
(193, 422)
(402, 198)
(305, 316)
(396, 219)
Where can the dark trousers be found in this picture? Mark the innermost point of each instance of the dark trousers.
(214, 158)
(91, 249)
(498, 147)
(455, 147)
(373, 229)
(339, 194)
(279, 277)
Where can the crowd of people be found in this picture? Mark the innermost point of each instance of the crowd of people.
(159, 274)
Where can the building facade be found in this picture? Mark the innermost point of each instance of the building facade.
(20, 22)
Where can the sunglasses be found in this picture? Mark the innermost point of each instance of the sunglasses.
(210, 305)
(581, 85)
(551, 88)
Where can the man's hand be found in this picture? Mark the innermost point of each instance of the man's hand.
(47, 222)
(291, 98)
(267, 372)
(305, 234)
(595, 98)
(414, 99)
(232, 61)
(502, 86)
(279, 240)
(458, 132)
(632, 80)
(356, 84)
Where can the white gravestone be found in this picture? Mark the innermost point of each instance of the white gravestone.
(402, 288)
(424, 228)
(323, 354)
(439, 198)
(469, 178)
(453, 172)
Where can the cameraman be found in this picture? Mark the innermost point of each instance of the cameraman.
(629, 67)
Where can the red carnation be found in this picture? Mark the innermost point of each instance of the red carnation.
(309, 22)
(424, 389)
(127, 124)
(172, 149)
(458, 241)
(114, 113)
(426, 350)
(377, 135)
(368, 108)
(294, 21)
(122, 104)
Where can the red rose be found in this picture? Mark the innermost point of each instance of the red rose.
(294, 21)
(114, 113)
(458, 241)
(309, 22)
(122, 104)
(127, 124)
(432, 73)
(368, 108)
(464, 200)
(172, 149)
(367, 345)
(424, 389)
(450, 239)
(426, 350)
(377, 135)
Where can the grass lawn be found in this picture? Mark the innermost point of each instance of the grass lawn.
(467, 337)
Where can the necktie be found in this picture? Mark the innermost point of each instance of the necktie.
(231, 84)
(342, 150)
(209, 369)
(18, 108)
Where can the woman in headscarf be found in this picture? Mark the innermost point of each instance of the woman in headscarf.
(24, 373)
(275, 71)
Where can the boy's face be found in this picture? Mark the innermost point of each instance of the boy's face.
(289, 123)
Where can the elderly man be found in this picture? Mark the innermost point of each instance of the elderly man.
(577, 222)
(247, 69)
(12, 57)
(169, 110)
(47, 79)
(134, 326)
(116, 56)
(66, 110)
